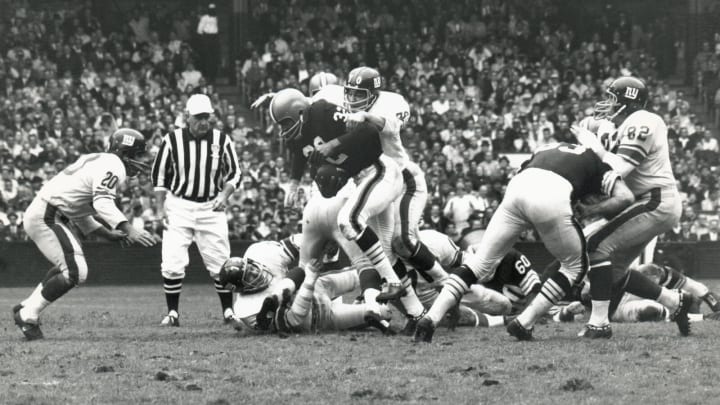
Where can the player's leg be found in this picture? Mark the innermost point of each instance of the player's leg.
(633, 309)
(384, 223)
(669, 277)
(57, 243)
(176, 240)
(486, 300)
(563, 238)
(297, 316)
(410, 206)
(618, 243)
(212, 238)
(502, 232)
(374, 194)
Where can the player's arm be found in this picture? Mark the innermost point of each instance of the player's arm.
(620, 197)
(356, 139)
(104, 185)
(161, 174)
(232, 175)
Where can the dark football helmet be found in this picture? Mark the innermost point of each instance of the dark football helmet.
(362, 88)
(625, 95)
(286, 110)
(246, 275)
(130, 146)
(320, 80)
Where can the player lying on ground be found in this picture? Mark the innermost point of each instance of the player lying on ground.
(624, 307)
(314, 308)
(84, 189)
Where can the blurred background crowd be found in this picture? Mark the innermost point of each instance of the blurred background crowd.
(485, 80)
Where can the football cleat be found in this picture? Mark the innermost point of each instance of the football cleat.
(391, 292)
(171, 319)
(681, 314)
(29, 328)
(713, 316)
(411, 324)
(515, 329)
(265, 316)
(596, 332)
(424, 330)
(378, 319)
(230, 319)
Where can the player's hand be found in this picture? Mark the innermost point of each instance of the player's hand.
(218, 204)
(262, 101)
(115, 235)
(354, 119)
(328, 148)
(588, 140)
(314, 265)
(143, 238)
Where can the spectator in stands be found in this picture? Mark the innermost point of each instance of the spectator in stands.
(459, 207)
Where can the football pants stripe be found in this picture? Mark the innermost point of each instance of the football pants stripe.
(65, 244)
(364, 194)
(596, 239)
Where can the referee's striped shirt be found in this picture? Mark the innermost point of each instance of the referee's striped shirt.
(195, 169)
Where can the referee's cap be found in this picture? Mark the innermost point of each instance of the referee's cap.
(199, 104)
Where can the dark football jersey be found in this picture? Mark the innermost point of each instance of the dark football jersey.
(515, 269)
(580, 166)
(323, 122)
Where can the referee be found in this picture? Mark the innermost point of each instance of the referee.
(195, 171)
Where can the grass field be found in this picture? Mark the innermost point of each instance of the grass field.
(104, 345)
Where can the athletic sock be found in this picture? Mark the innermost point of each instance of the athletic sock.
(422, 260)
(455, 287)
(600, 276)
(226, 297)
(172, 287)
(552, 291)
(370, 284)
(371, 246)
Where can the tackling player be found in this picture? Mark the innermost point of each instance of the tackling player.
(84, 189)
(541, 195)
(642, 157)
(318, 133)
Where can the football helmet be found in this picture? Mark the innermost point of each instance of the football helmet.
(330, 179)
(246, 275)
(626, 94)
(286, 110)
(320, 80)
(362, 88)
(130, 146)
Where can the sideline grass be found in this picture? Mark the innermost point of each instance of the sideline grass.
(103, 345)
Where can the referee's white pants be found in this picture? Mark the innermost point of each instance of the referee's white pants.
(192, 221)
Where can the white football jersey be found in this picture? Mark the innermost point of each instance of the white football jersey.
(396, 111)
(644, 144)
(332, 93)
(91, 177)
(274, 255)
(391, 106)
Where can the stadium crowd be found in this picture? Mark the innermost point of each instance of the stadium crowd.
(481, 79)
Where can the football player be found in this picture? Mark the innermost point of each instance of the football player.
(641, 156)
(84, 189)
(317, 133)
(265, 260)
(512, 285)
(388, 112)
(541, 195)
(668, 277)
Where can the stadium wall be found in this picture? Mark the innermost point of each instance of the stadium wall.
(21, 264)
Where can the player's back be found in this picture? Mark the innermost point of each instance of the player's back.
(396, 111)
(271, 254)
(644, 143)
(323, 122)
(331, 93)
(73, 190)
(580, 166)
